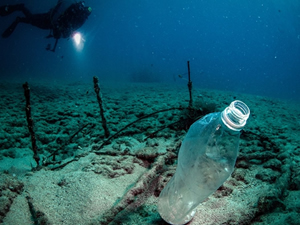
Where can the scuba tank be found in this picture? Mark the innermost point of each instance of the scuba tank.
(67, 17)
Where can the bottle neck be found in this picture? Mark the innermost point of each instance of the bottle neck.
(235, 115)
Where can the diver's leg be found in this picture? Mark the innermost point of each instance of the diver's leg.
(10, 29)
(6, 10)
(13, 26)
(41, 20)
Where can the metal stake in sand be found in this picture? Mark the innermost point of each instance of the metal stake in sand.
(30, 123)
(97, 90)
(190, 85)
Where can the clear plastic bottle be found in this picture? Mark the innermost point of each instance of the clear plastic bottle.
(206, 159)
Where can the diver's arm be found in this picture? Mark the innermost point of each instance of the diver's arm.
(54, 47)
(48, 48)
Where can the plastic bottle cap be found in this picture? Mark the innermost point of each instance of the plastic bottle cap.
(235, 115)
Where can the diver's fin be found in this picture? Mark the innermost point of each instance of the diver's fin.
(11, 28)
(6, 10)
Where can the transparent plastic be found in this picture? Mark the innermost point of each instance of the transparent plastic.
(206, 159)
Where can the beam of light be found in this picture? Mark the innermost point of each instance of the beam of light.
(78, 41)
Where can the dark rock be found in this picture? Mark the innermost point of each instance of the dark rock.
(267, 175)
(242, 164)
(273, 164)
(295, 180)
(239, 174)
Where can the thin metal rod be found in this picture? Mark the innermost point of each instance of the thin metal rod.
(190, 85)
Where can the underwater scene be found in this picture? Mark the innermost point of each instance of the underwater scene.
(150, 112)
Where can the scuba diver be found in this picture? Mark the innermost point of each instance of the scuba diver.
(62, 20)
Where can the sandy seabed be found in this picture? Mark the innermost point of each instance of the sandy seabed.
(84, 180)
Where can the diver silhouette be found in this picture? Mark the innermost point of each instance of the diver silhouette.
(62, 20)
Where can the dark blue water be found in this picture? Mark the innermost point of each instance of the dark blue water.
(238, 45)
